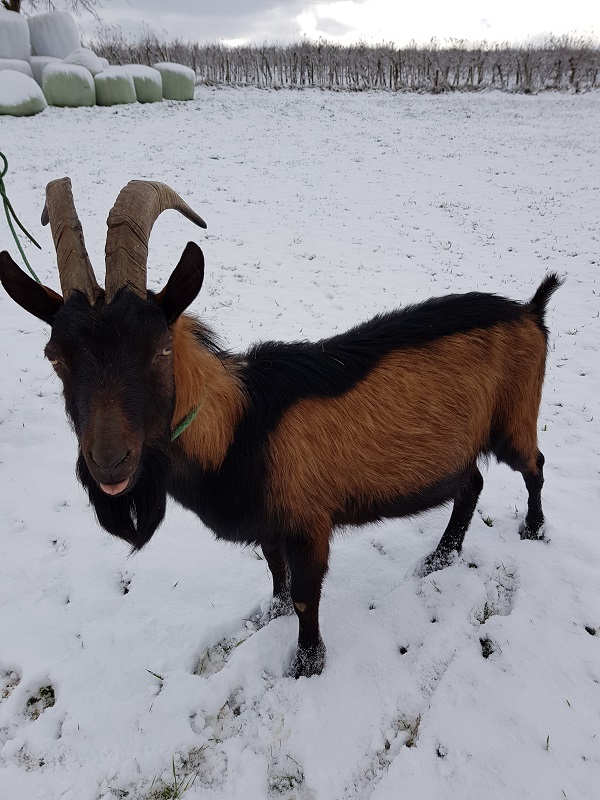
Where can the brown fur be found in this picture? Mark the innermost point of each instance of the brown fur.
(203, 378)
(422, 414)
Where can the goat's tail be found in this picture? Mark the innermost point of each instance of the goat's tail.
(547, 287)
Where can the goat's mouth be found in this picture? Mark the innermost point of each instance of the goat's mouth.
(115, 488)
(115, 471)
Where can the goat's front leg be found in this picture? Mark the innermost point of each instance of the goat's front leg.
(307, 556)
(281, 604)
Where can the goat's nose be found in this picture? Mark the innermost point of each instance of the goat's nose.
(109, 459)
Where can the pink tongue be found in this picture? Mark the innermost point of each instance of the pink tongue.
(114, 488)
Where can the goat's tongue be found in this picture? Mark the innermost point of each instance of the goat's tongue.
(114, 488)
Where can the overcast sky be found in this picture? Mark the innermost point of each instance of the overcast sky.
(347, 21)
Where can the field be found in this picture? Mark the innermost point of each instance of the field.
(138, 676)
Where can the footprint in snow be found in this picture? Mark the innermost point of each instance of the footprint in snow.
(9, 680)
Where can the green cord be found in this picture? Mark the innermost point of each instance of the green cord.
(186, 421)
(10, 212)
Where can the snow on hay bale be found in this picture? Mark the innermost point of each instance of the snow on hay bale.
(16, 65)
(20, 95)
(85, 58)
(178, 82)
(39, 63)
(147, 82)
(53, 34)
(14, 35)
(68, 85)
(114, 85)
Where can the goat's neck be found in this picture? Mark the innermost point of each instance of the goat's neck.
(203, 379)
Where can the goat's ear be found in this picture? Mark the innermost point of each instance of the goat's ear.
(39, 300)
(184, 284)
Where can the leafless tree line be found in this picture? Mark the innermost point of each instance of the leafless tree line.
(561, 63)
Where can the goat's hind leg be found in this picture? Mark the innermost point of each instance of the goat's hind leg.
(465, 502)
(534, 480)
(529, 461)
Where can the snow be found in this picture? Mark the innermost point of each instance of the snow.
(114, 85)
(53, 34)
(17, 65)
(39, 63)
(68, 85)
(147, 81)
(479, 681)
(14, 35)
(85, 58)
(19, 94)
(178, 81)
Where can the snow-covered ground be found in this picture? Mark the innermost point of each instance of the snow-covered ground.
(132, 677)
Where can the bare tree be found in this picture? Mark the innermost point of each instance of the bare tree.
(567, 63)
(76, 6)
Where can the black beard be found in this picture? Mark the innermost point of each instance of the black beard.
(135, 515)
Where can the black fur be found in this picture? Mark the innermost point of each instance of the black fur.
(107, 349)
(539, 301)
(135, 515)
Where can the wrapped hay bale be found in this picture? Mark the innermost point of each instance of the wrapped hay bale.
(16, 65)
(85, 58)
(178, 82)
(20, 95)
(14, 35)
(114, 85)
(39, 63)
(147, 82)
(53, 34)
(68, 85)
(104, 62)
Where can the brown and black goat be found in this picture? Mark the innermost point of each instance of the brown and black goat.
(292, 439)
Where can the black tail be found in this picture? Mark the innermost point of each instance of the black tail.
(546, 289)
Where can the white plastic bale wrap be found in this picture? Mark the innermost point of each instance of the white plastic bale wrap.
(16, 65)
(114, 86)
(20, 96)
(68, 85)
(39, 63)
(85, 58)
(178, 81)
(147, 82)
(14, 35)
(53, 34)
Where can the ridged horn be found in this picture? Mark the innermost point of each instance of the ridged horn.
(74, 267)
(130, 222)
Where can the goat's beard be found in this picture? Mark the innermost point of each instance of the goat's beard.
(135, 515)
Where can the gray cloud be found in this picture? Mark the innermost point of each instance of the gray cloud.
(202, 20)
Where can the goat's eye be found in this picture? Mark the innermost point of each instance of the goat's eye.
(167, 351)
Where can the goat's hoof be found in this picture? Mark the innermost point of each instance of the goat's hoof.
(536, 534)
(276, 607)
(435, 561)
(308, 661)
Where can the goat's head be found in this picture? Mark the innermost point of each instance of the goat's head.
(112, 350)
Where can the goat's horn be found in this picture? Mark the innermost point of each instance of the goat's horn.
(129, 225)
(74, 267)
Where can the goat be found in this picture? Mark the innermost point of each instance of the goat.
(292, 440)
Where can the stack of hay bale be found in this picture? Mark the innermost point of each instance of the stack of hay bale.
(42, 63)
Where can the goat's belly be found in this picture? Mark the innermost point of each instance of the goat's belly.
(360, 510)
